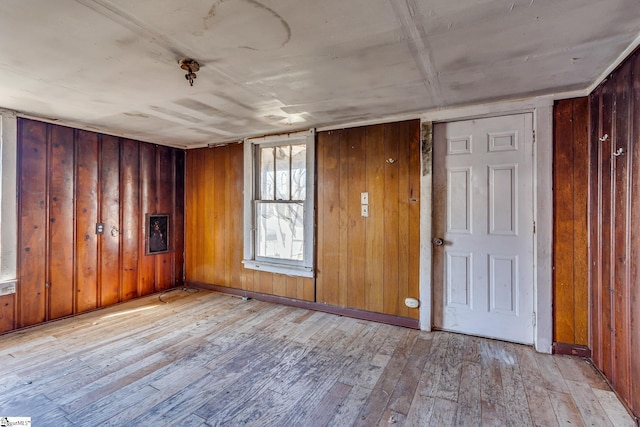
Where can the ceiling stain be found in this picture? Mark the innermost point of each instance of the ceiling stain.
(213, 12)
(144, 116)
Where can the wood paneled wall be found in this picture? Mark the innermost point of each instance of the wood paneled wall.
(214, 219)
(364, 263)
(69, 180)
(615, 229)
(369, 263)
(570, 240)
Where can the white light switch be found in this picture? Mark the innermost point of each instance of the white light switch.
(364, 198)
(365, 210)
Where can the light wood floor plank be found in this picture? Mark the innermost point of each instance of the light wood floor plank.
(208, 359)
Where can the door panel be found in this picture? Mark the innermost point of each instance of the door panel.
(483, 211)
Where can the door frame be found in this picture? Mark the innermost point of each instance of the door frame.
(542, 115)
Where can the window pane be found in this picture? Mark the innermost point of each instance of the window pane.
(280, 231)
(266, 173)
(298, 172)
(283, 163)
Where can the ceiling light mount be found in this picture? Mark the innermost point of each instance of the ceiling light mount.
(191, 66)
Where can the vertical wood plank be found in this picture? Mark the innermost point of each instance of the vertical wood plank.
(595, 186)
(220, 190)
(405, 200)
(7, 313)
(615, 240)
(563, 237)
(234, 243)
(147, 263)
(86, 218)
(109, 242)
(621, 194)
(394, 289)
(264, 282)
(634, 255)
(280, 285)
(32, 155)
(378, 240)
(328, 243)
(165, 194)
(178, 217)
(356, 249)
(193, 190)
(209, 215)
(130, 230)
(607, 229)
(344, 147)
(412, 135)
(581, 227)
(320, 207)
(61, 220)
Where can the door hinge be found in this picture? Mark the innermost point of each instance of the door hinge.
(534, 227)
(534, 135)
(534, 318)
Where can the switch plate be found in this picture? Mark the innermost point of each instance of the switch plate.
(364, 198)
(365, 210)
(99, 227)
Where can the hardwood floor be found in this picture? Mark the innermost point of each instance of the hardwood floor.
(185, 358)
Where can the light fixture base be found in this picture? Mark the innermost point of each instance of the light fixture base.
(190, 66)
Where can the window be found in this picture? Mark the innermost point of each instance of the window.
(278, 204)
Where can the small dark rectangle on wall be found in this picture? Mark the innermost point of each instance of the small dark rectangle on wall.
(157, 233)
(99, 228)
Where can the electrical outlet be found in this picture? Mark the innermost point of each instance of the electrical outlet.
(364, 198)
(365, 210)
(100, 228)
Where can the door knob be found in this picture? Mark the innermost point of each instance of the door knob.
(438, 241)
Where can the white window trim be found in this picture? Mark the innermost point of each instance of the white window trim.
(8, 191)
(306, 268)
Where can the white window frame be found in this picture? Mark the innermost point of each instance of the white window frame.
(292, 268)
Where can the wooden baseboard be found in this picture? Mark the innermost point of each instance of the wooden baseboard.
(341, 311)
(571, 349)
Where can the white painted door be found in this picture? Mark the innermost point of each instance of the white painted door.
(483, 213)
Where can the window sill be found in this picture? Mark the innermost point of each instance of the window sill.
(289, 270)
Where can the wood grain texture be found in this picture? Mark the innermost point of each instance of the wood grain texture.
(86, 260)
(152, 362)
(606, 229)
(70, 180)
(7, 313)
(61, 230)
(411, 132)
(215, 229)
(328, 243)
(634, 240)
(595, 258)
(356, 182)
(178, 207)
(581, 212)
(615, 241)
(148, 205)
(570, 242)
(32, 206)
(109, 242)
(131, 222)
(369, 263)
(165, 193)
(380, 239)
(621, 211)
(563, 195)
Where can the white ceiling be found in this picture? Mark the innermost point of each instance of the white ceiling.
(277, 65)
